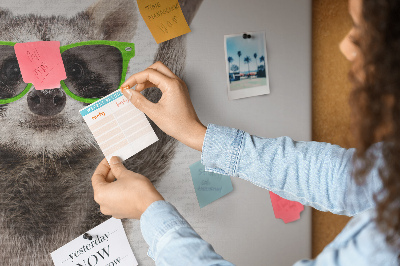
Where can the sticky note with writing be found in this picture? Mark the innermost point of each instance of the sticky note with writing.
(118, 126)
(108, 246)
(164, 19)
(287, 210)
(41, 63)
(209, 186)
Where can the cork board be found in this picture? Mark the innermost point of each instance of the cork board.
(330, 97)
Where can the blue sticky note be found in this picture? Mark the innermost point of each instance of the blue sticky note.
(209, 186)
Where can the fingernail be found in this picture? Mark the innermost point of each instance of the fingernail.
(124, 88)
(129, 93)
(115, 160)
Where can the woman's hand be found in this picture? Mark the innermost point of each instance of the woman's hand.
(174, 113)
(128, 196)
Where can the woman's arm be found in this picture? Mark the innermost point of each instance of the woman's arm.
(312, 173)
(172, 241)
(315, 174)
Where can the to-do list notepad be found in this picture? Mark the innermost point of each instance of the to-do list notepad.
(118, 126)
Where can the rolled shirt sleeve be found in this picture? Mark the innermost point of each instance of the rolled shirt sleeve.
(316, 174)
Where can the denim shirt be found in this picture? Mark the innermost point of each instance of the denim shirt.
(312, 173)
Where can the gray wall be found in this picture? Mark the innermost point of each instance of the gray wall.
(247, 232)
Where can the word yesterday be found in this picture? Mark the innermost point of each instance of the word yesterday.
(89, 246)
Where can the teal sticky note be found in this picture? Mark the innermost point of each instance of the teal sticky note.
(209, 186)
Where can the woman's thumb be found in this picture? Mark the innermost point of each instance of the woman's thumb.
(117, 167)
(138, 100)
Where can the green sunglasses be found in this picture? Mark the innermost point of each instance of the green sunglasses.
(94, 69)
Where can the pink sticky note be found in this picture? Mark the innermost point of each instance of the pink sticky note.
(41, 63)
(288, 211)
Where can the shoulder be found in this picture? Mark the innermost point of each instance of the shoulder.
(361, 241)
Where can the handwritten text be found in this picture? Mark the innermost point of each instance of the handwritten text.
(100, 114)
(121, 102)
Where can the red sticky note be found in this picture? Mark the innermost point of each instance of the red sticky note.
(41, 63)
(288, 211)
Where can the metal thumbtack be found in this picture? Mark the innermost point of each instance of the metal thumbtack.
(246, 36)
(87, 236)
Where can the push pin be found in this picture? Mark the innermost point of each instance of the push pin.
(87, 236)
(246, 36)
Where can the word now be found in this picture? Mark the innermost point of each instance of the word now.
(96, 257)
(169, 24)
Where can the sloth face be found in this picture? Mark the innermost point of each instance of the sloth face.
(47, 122)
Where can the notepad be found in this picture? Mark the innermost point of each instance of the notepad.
(287, 210)
(108, 246)
(164, 19)
(209, 186)
(41, 63)
(118, 126)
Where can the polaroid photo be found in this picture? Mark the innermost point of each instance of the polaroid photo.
(246, 65)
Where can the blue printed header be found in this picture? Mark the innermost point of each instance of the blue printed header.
(96, 105)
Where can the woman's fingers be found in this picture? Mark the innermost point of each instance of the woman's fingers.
(174, 113)
(110, 177)
(143, 86)
(160, 67)
(159, 80)
(100, 174)
(117, 167)
(140, 102)
(151, 77)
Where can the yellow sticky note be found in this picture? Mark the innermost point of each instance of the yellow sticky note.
(164, 18)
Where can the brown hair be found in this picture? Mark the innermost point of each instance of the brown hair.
(375, 102)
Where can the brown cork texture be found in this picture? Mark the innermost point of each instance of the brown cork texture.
(330, 99)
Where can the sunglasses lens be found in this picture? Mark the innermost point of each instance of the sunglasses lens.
(93, 71)
(11, 83)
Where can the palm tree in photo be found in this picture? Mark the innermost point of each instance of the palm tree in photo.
(234, 68)
(239, 54)
(247, 60)
(230, 60)
(262, 59)
(255, 58)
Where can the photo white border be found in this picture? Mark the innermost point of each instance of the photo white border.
(248, 92)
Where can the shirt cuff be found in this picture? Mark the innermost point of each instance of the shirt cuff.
(158, 219)
(222, 148)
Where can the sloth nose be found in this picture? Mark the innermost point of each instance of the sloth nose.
(46, 102)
